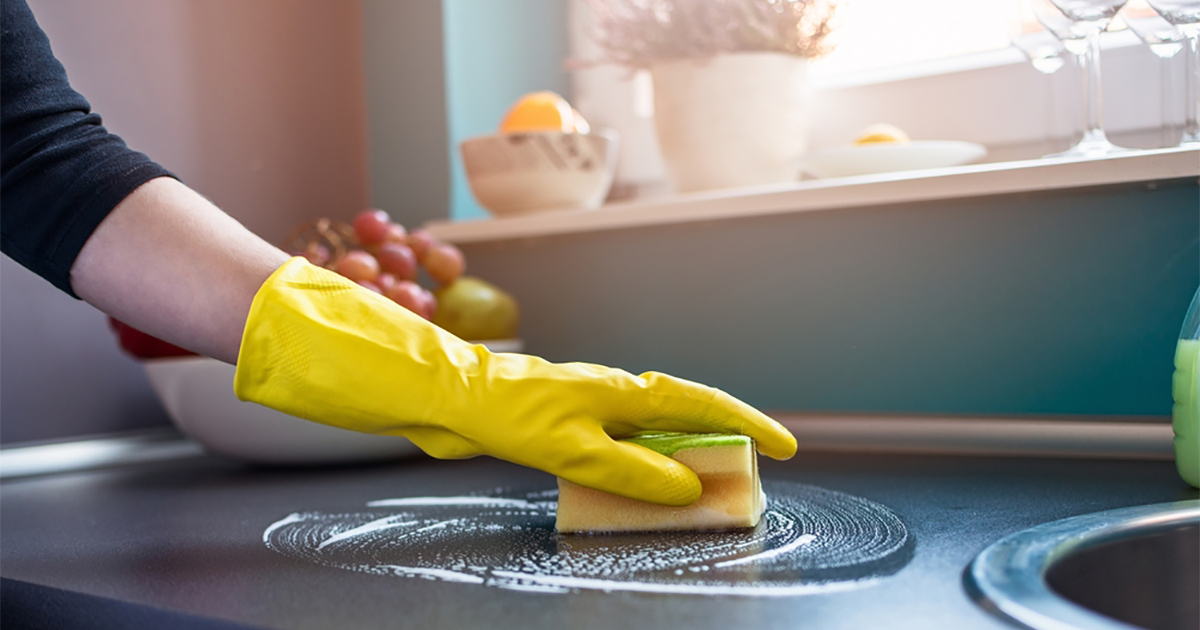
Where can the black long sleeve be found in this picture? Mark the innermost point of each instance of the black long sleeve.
(61, 171)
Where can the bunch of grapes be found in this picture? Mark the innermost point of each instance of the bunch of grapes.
(381, 256)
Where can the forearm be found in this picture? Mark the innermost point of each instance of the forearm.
(169, 262)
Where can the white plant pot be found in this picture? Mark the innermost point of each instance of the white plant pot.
(739, 119)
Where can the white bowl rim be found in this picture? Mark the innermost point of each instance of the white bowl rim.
(603, 132)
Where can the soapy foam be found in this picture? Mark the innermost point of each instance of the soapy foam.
(766, 555)
(373, 526)
(809, 540)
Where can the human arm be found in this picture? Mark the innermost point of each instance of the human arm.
(170, 263)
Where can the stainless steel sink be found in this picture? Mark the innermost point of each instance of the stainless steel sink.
(1130, 568)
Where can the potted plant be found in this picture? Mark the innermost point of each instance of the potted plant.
(729, 81)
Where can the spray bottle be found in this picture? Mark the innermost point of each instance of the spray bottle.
(1186, 390)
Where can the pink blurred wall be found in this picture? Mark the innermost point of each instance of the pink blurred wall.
(259, 105)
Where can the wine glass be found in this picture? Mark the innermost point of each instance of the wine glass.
(1074, 40)
(1185, 15)
(1165, 41)
(1091, 17)
(1041, 47)
(1071, 34)
(1048, 55)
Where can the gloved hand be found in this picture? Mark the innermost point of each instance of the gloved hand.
(320, 347)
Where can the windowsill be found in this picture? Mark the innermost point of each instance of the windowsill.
(846, 192)
(1008, 56)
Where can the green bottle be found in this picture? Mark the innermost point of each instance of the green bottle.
(1185, 416)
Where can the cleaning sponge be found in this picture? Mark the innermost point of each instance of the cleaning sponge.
(727, 469)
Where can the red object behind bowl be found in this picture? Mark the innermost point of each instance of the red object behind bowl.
(143, 346)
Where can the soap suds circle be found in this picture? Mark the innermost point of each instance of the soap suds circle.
(810, 540)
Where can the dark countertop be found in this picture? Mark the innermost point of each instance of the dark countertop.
(187, 537)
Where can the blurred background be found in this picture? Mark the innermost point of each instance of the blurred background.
(282, 111)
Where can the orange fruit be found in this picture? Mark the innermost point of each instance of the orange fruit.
(881, 133)
(542, 111)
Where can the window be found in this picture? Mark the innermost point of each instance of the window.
(880, 33)
(940, 69)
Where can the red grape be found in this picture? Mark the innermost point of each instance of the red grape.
(370, 285)
(421, 241)
(409, 295)
(398, 260)
(396, 234)
(429, 308)
(385, 281)
(372, 226)
(445, 263)
(358, 265)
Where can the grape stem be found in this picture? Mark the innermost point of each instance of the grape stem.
(339, 237)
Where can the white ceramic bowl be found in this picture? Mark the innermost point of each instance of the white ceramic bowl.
(528, 173)
(198, 395)
(869, 159)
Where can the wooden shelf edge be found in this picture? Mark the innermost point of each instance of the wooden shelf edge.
(846, 192)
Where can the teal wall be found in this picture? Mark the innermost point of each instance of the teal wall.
(495, 51)
(406, 109)
(1050, 303)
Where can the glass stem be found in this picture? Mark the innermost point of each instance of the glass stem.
(1051, 112)
(1191, 128)
(1094, 113)
(1079, 123)
(1167, 97)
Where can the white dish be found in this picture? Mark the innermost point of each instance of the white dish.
(886, 158)
(198, 395)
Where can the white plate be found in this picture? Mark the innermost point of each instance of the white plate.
(198, 395)
(886, 158)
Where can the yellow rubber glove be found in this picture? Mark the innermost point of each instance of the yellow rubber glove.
(323, 348)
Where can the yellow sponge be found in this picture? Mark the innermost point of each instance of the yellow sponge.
(728, 471)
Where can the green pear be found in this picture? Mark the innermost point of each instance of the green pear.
(476, 310)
